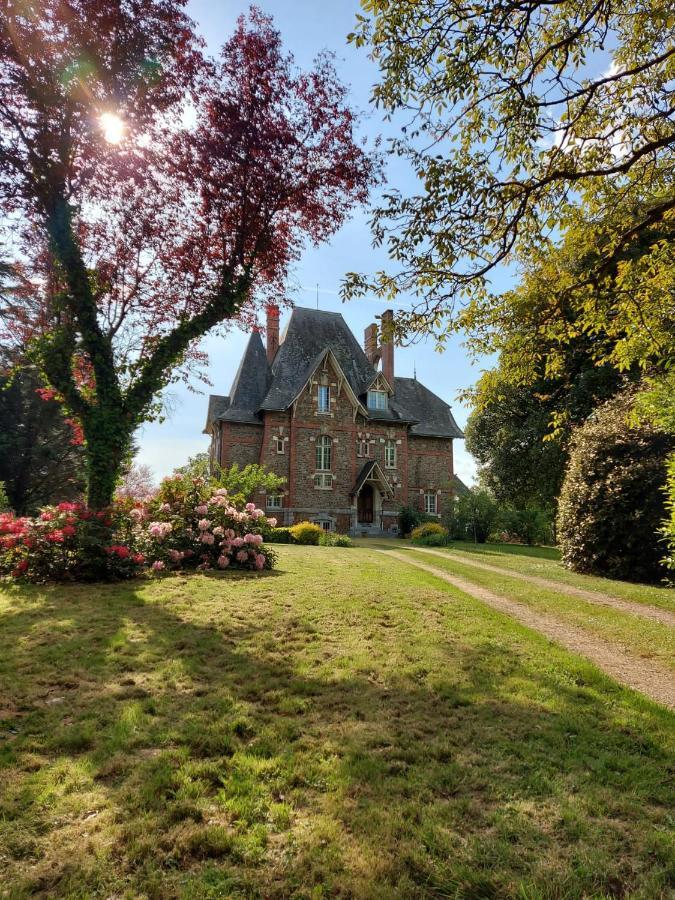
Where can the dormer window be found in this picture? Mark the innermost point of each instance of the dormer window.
(323, 398)
(377, 400)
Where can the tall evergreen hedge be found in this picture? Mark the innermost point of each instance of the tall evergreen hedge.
(612, 504)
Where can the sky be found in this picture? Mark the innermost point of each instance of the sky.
(308, 27)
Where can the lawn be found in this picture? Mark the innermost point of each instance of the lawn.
(347, 726)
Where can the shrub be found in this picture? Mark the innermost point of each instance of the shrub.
(4, 500)
(331, 539)
(185, 525)
(531, 524)
(473, 516)
(612, 503)
(306, 533)
(279, 536)
(430, 534)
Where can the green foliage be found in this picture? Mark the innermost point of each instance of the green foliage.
(473, 516)
(409, 518)
(41, 462)
(532, 144)
(331, 539)
(307, 533)
(4, 500)
(530, 524)
(612, 503)
(241, 483)
(430, 534)
(279, 536)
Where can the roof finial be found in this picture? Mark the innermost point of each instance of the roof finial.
(317, 295)
(415, 371)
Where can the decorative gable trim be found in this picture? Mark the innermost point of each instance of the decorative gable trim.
(342, 383)
(380, 383)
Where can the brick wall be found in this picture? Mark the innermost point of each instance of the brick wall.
(430, 467)
(240, 444)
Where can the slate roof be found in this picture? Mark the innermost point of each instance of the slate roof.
(308, 334)
(258, 387)
(250, 385)
(366, 474)
(217, 406)
(458, 486)
(433, 416)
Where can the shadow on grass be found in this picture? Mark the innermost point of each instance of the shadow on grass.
(173, 750)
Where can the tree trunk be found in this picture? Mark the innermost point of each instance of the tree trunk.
(108, 440)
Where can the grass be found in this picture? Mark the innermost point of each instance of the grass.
(642, 637)
(345, 727)
(545, 562)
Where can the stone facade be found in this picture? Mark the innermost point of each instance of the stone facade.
(326, 439)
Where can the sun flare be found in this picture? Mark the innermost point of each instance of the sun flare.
(113, 127)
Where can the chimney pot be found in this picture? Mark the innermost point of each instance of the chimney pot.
(387, 345)
(272, 330)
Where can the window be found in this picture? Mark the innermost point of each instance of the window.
(430, 506)
(362, 447)
(323, 481)
(281, 446)
(324, 453)
(377, 400)
(390, 455)
(323, 398)
(326, 524)
(275, 501)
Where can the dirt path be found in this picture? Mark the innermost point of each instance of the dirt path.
(641, 674)
(627, 606)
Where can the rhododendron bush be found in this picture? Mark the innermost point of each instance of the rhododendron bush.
(187, 525)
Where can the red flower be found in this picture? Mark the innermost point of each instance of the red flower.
(20, 568)
(69, 530)
(56, 537)
(138, 558)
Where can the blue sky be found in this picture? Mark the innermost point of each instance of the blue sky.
(308, 27)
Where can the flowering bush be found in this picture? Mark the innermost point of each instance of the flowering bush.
(187, 524)
(430, 534)
(67, 541)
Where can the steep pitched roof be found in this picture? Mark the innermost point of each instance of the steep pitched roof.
(433, 416)
(458, 486)
(251, 383)
(371, 471)
(308, 334)
(217, 406)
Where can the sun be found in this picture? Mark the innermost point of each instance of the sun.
(113, 127)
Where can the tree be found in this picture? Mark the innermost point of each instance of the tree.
(238, 482)
(159, 193)
(41, 455)
(137, 481)
(524, 117)
(612, 503)
(474, 515)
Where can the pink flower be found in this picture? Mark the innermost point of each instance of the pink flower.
(203, 524)
(207, 538)
(55, 537)
(69, 530)
(165, 507)
(249, 507)
(272, 523)
(242, 556)
(136, 514)
(158, 565)
(238, 542)
(219, 531)
(223, 561)
(160, 529)
(230, 535)
(175, 555)
(201, 510)
(221, 492)
(260, 561)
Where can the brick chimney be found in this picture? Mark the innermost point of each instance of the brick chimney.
(387, 345)
(272, 330)
(370, 344)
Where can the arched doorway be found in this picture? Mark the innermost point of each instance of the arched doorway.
(364, 508)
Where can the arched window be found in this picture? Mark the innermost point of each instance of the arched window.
(324, 450)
